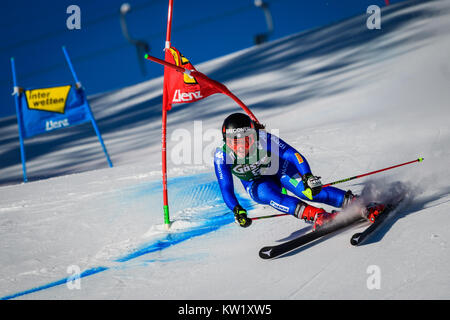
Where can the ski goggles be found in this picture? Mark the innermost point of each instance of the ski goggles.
(240, 144)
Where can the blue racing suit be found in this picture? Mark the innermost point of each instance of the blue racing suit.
(277, 165)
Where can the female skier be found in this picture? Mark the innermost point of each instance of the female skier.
(265, 164)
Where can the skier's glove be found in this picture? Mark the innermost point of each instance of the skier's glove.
(240, 215)
(312, 185)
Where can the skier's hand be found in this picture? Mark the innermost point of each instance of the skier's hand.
(312, 185)
(240, 215)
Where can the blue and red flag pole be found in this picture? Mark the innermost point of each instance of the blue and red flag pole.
(16, 94)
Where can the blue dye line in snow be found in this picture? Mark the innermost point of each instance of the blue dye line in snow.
(222, 217)
(174, 238)
(85, 273)
(160, 244)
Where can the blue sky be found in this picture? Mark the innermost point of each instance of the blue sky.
(33, 32)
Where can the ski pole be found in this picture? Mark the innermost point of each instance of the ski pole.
(370, 173)
(344, 180)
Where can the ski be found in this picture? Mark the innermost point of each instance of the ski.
(360, 237)
(270, 252)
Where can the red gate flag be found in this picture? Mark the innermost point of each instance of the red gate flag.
(192, 84)
(184, 87)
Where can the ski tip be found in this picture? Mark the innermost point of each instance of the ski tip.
(266, 253)
(420, 159)
(355, 239)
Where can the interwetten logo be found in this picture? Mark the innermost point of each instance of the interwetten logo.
(48, 99)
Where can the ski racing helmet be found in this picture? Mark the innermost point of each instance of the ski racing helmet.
(239, 134)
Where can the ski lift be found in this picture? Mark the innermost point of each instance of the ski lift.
(142, 47)
(263, 37)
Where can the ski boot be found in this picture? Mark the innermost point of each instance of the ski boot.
(369, 212)
(373, 210)
(323, 219)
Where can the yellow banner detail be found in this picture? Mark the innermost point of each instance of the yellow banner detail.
(187, 78)
(48, 99)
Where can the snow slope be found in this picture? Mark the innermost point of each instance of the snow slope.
(350, 99)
